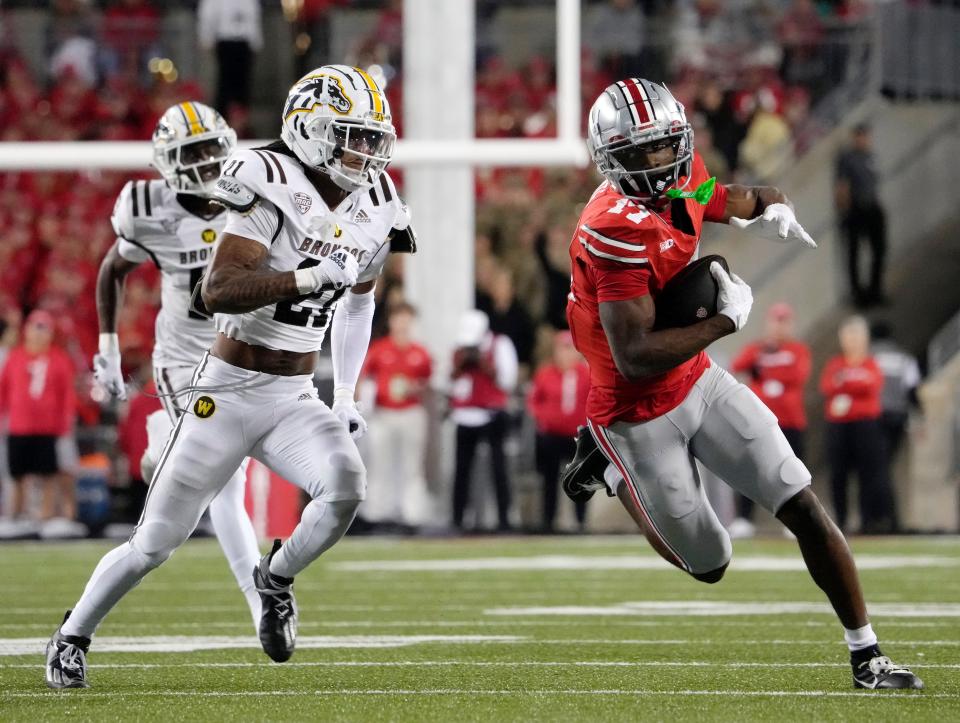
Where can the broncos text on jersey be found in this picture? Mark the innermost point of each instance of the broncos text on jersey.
(153, 226)
(271, 200)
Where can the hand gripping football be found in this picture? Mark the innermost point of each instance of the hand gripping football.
(690, 296)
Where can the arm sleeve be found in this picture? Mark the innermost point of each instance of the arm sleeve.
(717, 207)
(505, 358)
(350, 337)
(616, 283)
(261, 224)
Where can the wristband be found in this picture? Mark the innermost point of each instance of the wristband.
(343, 394)
(306, 281)
(109, 344)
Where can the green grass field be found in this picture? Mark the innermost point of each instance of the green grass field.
(490, 629)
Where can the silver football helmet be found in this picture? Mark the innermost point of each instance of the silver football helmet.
(639, 137)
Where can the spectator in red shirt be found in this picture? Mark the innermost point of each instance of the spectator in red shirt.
(483, 378)
(557, 401)
(777, 368)
(851, 384)
(38, 402)
(400, 370)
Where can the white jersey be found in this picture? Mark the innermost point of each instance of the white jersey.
(272, 201)
(152, 225)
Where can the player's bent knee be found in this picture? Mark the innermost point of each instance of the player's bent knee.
(349, 477)
(154, 542)
(713, 557)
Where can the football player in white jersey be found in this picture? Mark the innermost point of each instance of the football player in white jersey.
(312, 220)
(175, 224)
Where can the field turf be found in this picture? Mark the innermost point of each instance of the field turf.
(490, 629)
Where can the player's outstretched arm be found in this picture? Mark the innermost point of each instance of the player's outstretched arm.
(765, 211)
(237, 281)
(639, 352)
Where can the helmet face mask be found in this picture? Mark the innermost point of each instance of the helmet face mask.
(337, 121)
(639, 137)
(190, 144)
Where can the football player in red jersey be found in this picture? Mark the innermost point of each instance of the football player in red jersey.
(657, 403)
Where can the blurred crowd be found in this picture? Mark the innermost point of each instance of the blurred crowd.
(747, 71)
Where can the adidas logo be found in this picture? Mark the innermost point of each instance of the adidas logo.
(306, 396)
(362, 217)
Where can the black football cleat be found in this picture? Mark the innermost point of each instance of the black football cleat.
(278, 621)
(584, 475)
(876, 671)
(67, 660)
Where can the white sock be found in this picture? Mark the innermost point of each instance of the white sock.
(322, 524)
(860, 638)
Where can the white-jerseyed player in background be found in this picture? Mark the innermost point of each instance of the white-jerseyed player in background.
(174, 224)
(312, 220)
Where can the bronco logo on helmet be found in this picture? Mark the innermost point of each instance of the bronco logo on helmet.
(322, 89)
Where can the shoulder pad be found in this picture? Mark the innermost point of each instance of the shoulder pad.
(403, 240)
(384, 195)
(137, 207)
(239, 182)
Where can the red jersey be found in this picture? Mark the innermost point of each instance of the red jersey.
(474, 385)
(37, 393)
(557, 399)
(852, 392)
(623, 250)
(777, 375)
(399, 372)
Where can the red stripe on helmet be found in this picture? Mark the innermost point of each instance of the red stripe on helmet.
(639, 100)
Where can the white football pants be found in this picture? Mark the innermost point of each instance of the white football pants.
(228, 515)
(232, 414)
(732, 433)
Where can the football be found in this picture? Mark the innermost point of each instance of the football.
(690, 296)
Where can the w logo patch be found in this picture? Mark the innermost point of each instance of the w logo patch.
(204, 407)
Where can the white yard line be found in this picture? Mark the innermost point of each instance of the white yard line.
(505, 622)
(541, 692)
(191, 643)
(747, 563)
(475, 664)
(188, 643)
(713, 608)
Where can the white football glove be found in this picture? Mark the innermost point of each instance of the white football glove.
(348, 413)
(776, 223)
(338, 270)
(106, 367)
(735, 298)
